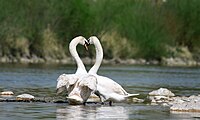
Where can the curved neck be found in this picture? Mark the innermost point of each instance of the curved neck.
(72, 48)
(99, 57)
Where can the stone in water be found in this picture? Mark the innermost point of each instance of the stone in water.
(25, 97)
(7, 93)
(162, 92)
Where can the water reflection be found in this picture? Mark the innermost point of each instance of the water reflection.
(185, 115)
(92, 112)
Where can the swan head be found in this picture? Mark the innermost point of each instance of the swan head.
(86, 44)
(92, 40)
(83, 42)
(79, 40)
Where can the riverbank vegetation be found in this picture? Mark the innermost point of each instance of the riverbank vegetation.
(149, 29)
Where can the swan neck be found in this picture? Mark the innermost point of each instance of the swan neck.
(99, 58)
(72, 48)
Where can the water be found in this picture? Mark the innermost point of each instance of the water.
(40, 81)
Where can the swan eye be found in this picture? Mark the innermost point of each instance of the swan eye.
(87, 43)
(88, 40)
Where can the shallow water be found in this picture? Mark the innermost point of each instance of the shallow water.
(40, 81)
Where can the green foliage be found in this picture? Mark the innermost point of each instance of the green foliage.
(188, 17)
(127, 29)
(142, 24)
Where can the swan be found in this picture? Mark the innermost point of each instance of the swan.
(77, 85)
(67, 81)
(107, 89)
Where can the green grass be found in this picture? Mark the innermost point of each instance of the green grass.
(127, 29)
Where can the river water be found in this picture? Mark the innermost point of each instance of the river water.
(40, 81)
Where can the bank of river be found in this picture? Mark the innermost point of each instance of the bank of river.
(177, 61)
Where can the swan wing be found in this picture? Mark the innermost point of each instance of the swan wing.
(65, 82)
(110, 85)
(89, 81)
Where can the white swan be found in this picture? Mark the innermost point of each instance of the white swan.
(107, 89)
(67, 81)
(77, 85)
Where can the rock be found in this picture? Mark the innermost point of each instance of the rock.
(177, 61)
(4, 59)
(131, 61)
(141, 61)
(176, 100)
(161, 98)
(25, 97)
(186, 104)
(158, 99)
(165, 97)
(165, 104)
(137, 100)
(152, 62)
(162, 92)
(194, 98)
(186, 107)
(153, 101)
(7, 93)
(66, 61)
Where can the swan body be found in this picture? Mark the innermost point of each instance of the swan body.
(67, 81)
(83, 89)
(107, 89)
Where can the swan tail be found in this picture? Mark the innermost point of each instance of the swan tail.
(132, 95)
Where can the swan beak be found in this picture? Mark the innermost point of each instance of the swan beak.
(86, 47)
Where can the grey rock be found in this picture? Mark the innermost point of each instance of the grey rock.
(25, 97)
(186, 107)
(137, 100)
(162, 92)
(186, 104)
(165, 97)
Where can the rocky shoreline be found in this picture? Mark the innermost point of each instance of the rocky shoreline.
(165, 97)
(162, 96)
(178, 56)
(164, 61)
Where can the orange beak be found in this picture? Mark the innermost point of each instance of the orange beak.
(86, 47)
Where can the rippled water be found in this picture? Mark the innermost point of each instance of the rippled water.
(40, 81)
